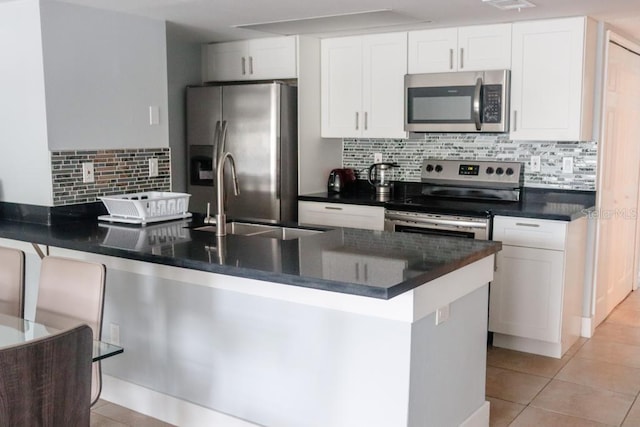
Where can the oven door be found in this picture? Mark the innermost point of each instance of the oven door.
(434, 224)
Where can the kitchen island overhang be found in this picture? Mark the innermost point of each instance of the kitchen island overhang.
(274, 354)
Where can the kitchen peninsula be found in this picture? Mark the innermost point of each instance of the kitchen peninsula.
(339, 327)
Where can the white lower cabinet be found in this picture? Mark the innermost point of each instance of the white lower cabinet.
(341, 215)
(535, 302)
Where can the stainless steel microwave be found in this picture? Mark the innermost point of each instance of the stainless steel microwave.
(470, 101)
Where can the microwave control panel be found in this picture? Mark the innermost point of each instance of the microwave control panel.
(491, 103)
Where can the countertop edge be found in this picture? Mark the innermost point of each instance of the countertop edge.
(385, 293)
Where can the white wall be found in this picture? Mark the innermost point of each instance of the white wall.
(317, 156)
(183, 68)
(103, 70)
(25, 171)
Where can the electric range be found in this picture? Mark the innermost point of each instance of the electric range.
(454, 197)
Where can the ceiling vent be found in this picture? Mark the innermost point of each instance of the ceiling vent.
(366, 20)
(510, 4)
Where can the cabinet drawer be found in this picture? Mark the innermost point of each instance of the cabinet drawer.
(531, 233)
(341, 215)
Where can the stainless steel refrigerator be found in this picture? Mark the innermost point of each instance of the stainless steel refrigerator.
(257, 124)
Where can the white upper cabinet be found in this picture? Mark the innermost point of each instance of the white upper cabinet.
(362, 86)
(552, 79)
(482, 47)
(258, 59)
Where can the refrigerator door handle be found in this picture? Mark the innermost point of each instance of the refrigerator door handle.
(222, 143)
(216, 139)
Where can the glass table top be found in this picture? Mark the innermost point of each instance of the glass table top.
(15, 330)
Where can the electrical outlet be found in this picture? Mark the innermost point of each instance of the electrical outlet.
(377, 157)
(442, 314)
(535, 163)
(114, 334)
(87, 172)
(567, 165)
(153, 166)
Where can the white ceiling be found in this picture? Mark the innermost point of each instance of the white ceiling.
(215, 20)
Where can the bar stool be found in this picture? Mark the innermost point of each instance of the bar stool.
(71, 292)
(12, 282)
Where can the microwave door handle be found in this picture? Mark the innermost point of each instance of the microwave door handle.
(476, 103)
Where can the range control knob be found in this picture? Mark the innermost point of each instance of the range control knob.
(429, 168)
(499, 171)
(509, 171)
(438, 168)
(489, 170)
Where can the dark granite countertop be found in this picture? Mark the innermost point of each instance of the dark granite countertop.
(314, 261)
(563, 205)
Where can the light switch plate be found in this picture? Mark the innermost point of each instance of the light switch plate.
(87, 172)
(567, 165)
(154, 115)
(377, 157)
(535, 163)
(153, 167)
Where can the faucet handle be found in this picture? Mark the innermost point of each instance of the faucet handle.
(209, 219)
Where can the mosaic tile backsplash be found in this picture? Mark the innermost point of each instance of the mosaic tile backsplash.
(115, 171)
(409, 153)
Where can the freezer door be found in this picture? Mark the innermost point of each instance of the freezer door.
(252, 113)
(204, 110)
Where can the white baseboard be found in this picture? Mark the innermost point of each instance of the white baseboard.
(528, 345)
(163, 407)
(587, 327)
(479, 418)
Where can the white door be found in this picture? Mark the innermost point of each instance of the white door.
(224, 61)
(526, 293)
(433, 51)
(384, 66)
(272, 58)
(484, 47)
(341, 87)
(546, 79)
(619, 180)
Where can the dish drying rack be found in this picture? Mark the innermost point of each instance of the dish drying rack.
(143, 208)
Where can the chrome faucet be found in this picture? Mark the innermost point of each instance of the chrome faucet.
(221, 218)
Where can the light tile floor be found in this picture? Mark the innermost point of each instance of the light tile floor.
(107, 414)
(596, 384)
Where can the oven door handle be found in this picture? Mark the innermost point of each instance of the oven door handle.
(435, 221)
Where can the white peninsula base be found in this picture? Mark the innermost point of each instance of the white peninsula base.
(206, 349)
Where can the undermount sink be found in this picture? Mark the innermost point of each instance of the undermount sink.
(262, 230)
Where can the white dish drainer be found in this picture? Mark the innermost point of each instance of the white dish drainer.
(142, 208)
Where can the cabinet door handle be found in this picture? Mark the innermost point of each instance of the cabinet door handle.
(332, 208)
(357, 120)
(461, 58)
(366, 116)
(451, 59)
(515, 120)
(244, 66)
(366, 273)
(525, 224)
(251, 65)
(357, 271)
